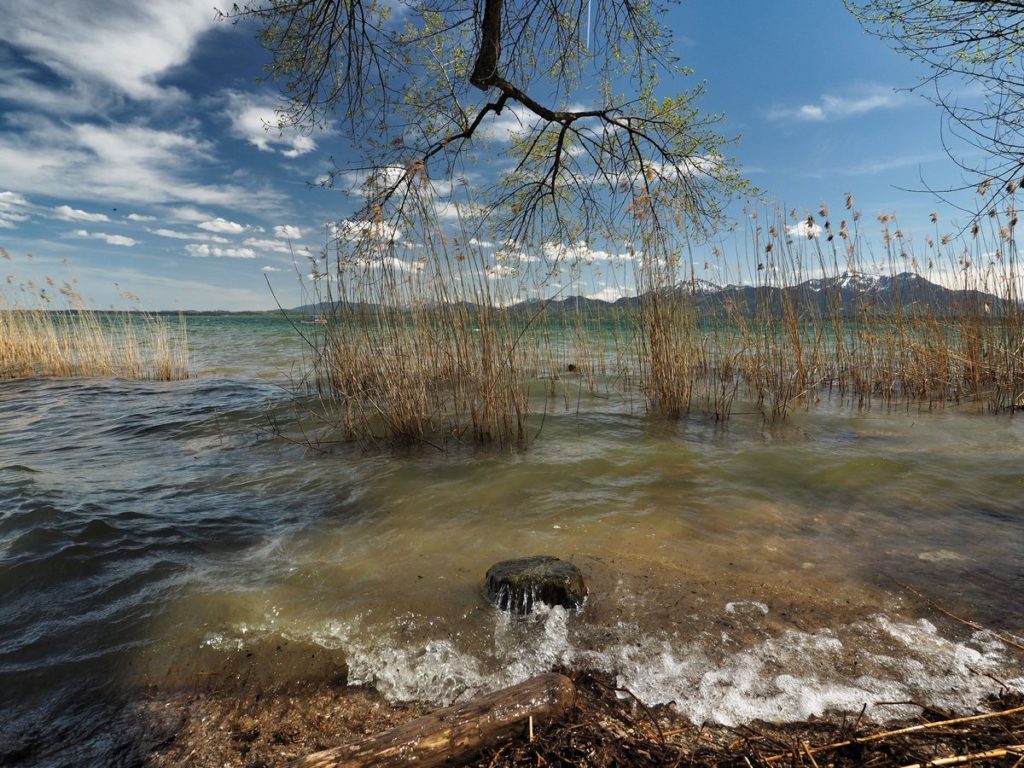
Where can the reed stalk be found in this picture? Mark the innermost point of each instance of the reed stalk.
(433, 338)
(38, 339)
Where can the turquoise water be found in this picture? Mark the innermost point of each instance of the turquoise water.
(151, 534)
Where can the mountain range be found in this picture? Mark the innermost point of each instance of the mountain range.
(850, 293)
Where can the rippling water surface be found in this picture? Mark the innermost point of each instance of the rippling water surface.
(156, 535)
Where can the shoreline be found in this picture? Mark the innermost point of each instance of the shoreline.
(269, 703)
(607, 727)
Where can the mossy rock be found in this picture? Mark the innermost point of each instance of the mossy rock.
(517, 585)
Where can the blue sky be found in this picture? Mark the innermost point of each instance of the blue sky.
(133, 146)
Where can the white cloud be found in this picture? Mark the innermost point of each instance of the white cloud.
(124, 46)
(356, 231)
(268, 245)
(512, 121)
(513, 253)
(18, 87)
(140, 217)
(269, 268)
(572, 253)
(288, 231)
(611, 293)
(189, 213)
(499, 271)
(12, 198)
(363, 184)
(261, 123)
(375, 262)
(115, 163)
(223, 226)
(13, 209)
(804, 229)
(480, 243)
(67, 213)
(855, 101)
(176, 235)
(204, 250)
(460, 211)
(108, 239)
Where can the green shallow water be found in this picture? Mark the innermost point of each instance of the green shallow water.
(161, 534)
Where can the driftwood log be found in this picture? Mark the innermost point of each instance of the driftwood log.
(456, 734)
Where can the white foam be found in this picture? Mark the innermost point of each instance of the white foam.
(219, 642)
(712, 678)
(438, 672)
(798, 675)
(745, 606)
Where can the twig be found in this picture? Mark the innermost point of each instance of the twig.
(810, 754)
(967, 622)
(1016, 749)
(497, 755)
(902, 731)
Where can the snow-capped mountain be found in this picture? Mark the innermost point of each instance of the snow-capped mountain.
(849, 293)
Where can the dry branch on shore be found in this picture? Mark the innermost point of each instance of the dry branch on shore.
(606, 727)
(456, 734)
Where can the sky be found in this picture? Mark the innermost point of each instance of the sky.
(136, 158)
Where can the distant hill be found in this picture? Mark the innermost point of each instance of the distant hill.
(851, 293)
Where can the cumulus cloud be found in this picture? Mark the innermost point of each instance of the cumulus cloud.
(512, 252)
(203, 250)
(140, 217)
(222, 226)
(67, 213)
(14, 209)
(611, 293)
(392, 263)
(287, 231)
(261, 123)
(807, 229)
(571, 253)
(364, 184)
(268, 268)
(835, 106)
(12, 198)
(108, 239)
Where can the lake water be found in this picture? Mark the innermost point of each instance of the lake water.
(155, 535)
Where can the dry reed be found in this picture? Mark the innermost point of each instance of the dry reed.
(436, 339)
(37, 339)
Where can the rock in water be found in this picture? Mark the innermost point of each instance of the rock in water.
(515, 585)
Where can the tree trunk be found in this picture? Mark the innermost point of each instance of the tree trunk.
(455, 735)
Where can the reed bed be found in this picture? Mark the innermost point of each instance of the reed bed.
(414, 346)
(432, 338)
(37, 339)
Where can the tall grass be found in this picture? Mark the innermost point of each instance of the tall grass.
(38, 340)
(433, 338)
(416, 346)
